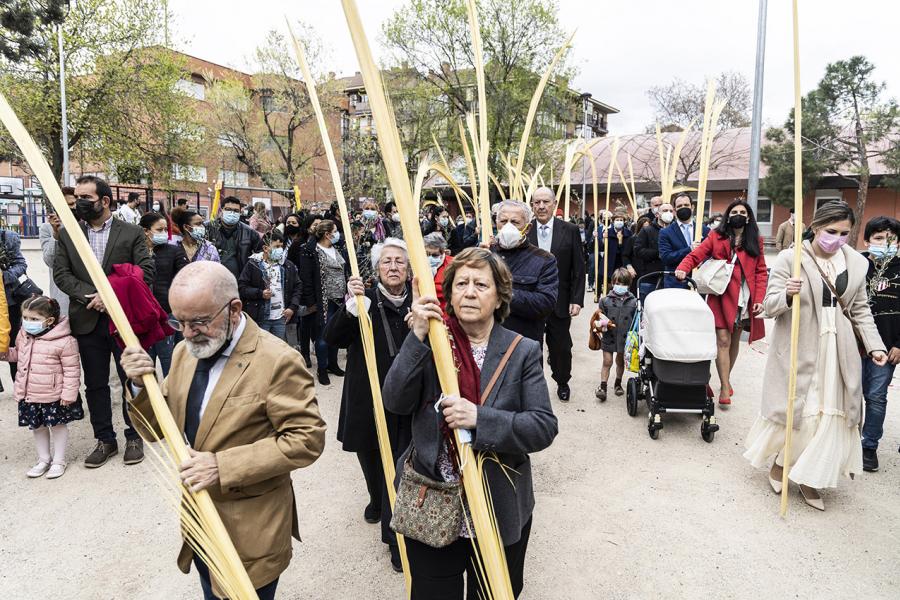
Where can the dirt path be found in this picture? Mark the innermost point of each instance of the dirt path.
(618, 516)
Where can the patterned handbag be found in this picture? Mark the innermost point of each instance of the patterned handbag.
(427, 511)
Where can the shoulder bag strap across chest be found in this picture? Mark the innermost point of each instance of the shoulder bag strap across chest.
(499, 370)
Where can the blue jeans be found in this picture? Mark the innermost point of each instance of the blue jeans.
(267, 592)
(276, 327)
(875, 382)
(163, 350)
(326, 356)
(646, 288)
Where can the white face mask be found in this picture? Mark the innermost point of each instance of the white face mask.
(155, 207)
(667, 217)
(509, 236)
(395, 217)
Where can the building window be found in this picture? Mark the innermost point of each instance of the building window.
(763, 210)
(823, 196)
(191, 88)
(234, 178)
(189, 173)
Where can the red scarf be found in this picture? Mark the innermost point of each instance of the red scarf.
(468, 376)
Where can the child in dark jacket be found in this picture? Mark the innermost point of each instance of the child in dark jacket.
(617, 312)
(47, 381)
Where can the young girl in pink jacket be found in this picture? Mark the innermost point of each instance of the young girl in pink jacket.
(47, 381)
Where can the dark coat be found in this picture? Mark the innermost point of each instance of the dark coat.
(462, 237)
(646, 249)
(311, 292)
(14, 265)
(535, 287)
(356, 425)
(127, 244)
(615, 254)
(566, 247)
(672, 250)
(248, 242)
(253, 282)
(169, 259)
(515, 420)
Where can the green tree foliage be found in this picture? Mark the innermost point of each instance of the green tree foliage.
(21, 25)
(271, 126)
(847, 122)
(123, 105)
(520, 37)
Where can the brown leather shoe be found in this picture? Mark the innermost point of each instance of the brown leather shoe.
(102, 452)
(134, 451)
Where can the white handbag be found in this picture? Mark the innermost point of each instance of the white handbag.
(712, 277)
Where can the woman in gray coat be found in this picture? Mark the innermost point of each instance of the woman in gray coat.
(514, 420)
(828, 405)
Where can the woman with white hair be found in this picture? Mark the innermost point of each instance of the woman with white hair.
(439, 259)
(388, 303)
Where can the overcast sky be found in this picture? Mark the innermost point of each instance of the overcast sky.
(621, 48)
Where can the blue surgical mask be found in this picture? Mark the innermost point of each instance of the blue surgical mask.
(620, 290)
(33, 327)
(199, 233)
(435, 261)
(880, 252)
(335, 237)
(276, 254)
(369, 214)
(160, 238)
(230, 218)
(443, 221)
(619, 224)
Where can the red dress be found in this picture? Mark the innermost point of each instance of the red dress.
(725, 307)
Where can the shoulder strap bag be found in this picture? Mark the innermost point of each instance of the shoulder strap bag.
(860, 345)
(429, 511)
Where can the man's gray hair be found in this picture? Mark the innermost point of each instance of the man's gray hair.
(435, 239)
(207, 275)
(390, 242)
(544, 190)
(516, 205)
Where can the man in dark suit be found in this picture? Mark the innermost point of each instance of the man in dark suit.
(113, 242)
(464, 235)
(677, 240)
(563, 241)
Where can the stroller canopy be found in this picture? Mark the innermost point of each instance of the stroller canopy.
(679, 326)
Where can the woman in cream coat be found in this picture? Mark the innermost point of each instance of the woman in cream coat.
(828, 405)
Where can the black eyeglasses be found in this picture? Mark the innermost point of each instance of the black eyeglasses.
(197, 324)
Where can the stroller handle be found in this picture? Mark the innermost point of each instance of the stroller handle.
(687, 280)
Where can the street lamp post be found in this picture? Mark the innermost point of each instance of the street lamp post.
(62, 99)
(756, 124)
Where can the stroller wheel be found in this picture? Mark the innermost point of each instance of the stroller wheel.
(654, 432)
(654, 425)
(631, 396)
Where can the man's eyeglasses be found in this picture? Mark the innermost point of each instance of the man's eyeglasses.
(197, 324)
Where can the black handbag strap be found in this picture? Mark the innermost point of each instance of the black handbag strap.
(388, 332)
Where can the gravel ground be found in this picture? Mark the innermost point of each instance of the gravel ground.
(618, 515)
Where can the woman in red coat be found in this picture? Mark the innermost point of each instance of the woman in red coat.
(738, 309)
(436, 249)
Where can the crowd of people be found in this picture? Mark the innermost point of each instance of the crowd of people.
(232, 310)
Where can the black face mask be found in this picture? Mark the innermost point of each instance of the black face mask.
(291, 230)
(684, 213)
(737, 221)
(87, 210)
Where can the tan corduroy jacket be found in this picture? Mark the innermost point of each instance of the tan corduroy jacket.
(262, 422)
(775, 378)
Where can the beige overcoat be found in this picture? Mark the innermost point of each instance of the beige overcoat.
(775, 379)
(262, 422)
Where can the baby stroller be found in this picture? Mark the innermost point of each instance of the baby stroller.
(677, 342)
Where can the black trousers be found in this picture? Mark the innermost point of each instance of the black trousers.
(267, 592)
(559, 344)
(370, 462)
(15, 323)
(96, 348)
(437, 573)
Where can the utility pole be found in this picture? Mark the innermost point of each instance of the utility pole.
(585, 105)
(62, 99)
(756, 124)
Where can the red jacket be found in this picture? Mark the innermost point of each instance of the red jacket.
(148, 320)
(725, 307)
(439, 282)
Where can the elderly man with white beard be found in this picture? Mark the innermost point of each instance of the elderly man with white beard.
(247, 407)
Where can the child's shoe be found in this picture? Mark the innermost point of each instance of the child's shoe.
(38, 470)
(619, 390)
(601, 393)
(56, 470)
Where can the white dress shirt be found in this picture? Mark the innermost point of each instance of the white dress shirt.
(545, 234)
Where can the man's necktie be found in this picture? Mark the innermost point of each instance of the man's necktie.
(544, 232)
(195, 396)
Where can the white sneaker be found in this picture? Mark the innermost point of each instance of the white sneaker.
(38, 470)
(56, 470)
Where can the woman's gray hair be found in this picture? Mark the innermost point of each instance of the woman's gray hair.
(516, 205)
(390, 242)
(435, 240)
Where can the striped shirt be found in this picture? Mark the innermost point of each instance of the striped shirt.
(98, 238)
